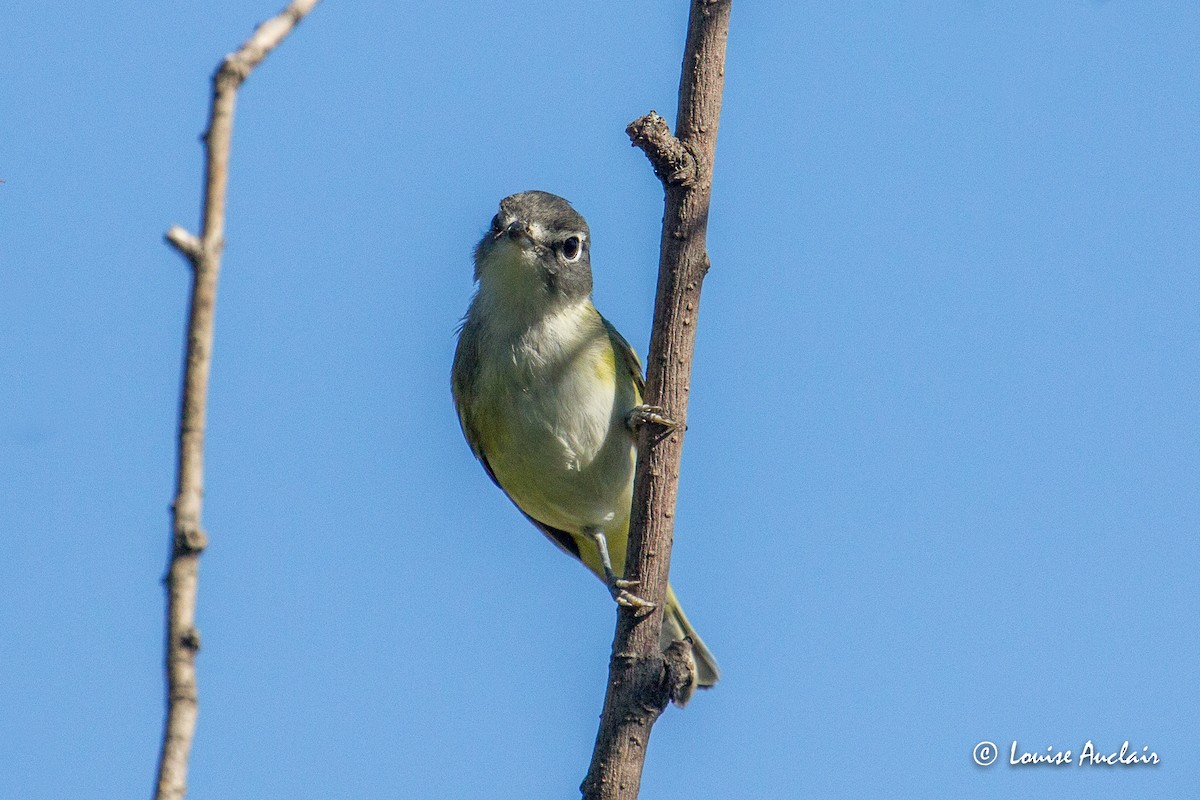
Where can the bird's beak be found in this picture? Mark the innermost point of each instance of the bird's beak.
(519, 230)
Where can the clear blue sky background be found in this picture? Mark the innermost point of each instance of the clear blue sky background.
(942, 482)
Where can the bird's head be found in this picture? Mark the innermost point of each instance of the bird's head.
(536, 248)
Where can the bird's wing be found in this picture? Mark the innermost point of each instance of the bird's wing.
(463, 377)
(628, 359)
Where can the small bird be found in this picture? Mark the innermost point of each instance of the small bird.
(548, 393)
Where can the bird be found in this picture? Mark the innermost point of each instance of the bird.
(548, 394)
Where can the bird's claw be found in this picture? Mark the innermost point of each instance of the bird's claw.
(629, 600)
(650, 415)
(620, 592)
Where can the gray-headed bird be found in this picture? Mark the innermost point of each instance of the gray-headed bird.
(547, 391)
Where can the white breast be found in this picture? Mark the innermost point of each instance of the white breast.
(556, 437)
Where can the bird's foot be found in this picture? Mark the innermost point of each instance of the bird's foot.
(650, 415)
(620, 587)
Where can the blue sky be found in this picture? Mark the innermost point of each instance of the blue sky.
(941, 480)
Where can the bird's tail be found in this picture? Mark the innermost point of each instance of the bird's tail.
(676, 627)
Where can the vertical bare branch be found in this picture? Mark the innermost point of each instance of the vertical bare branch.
(188, 537)
(641, 679)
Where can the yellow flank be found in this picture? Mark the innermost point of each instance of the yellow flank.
(606, 366)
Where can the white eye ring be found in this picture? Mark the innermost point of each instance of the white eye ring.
(572, 248)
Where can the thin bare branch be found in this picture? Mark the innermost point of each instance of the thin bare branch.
(641, 678)
(188, 539)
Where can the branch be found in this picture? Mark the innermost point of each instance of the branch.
(641, 678)
(188, 539)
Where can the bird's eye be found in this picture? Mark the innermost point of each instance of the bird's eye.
(571, 248)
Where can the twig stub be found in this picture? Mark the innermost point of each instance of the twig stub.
(186, 243)
(679, 672)
(673, 161)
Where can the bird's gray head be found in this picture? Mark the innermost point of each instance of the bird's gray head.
(538, 247)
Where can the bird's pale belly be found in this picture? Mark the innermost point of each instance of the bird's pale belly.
(565, 456)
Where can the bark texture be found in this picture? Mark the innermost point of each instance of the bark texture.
(188, 538)
(642, 680)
